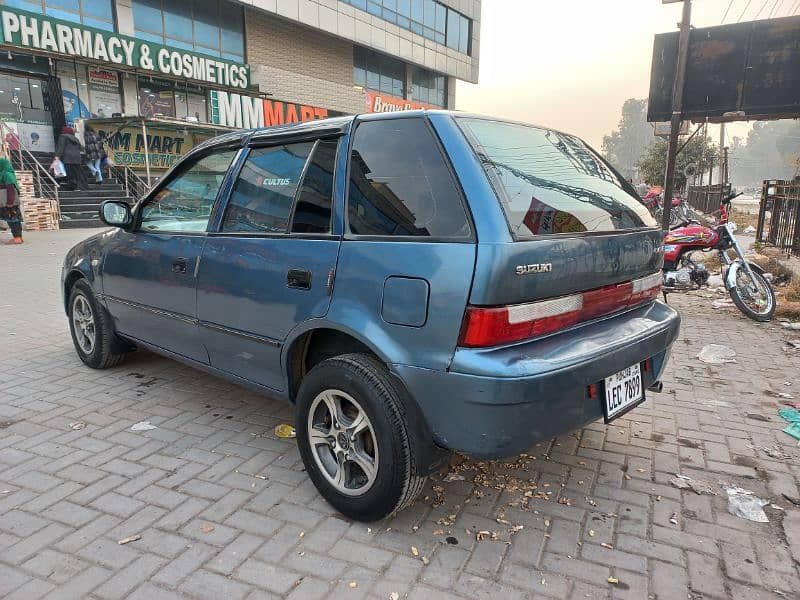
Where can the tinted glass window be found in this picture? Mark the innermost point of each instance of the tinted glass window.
(262, 198)
(550, 182)
(313, 211)
(400, 184)
(185, 202)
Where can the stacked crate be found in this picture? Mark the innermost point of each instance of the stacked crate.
(38, 214)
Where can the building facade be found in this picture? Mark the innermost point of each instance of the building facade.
(225, 62)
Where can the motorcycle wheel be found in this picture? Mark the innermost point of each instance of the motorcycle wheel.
(756, 302)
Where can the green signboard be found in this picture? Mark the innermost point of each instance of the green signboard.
(36, 32)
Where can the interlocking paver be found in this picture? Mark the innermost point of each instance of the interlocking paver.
(67, 496)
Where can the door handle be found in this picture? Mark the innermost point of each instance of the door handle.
(299, 279)
(179, 265)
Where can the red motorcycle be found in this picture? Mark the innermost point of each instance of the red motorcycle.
(745, 281)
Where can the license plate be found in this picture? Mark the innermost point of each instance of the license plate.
(623, 391)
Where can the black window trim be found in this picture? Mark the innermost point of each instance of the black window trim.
(172, 174)
(500, 192)
(236, 169)
(347, 235)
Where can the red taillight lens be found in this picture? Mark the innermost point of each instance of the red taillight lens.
(494, 326)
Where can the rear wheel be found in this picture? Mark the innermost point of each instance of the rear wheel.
(755, 301)
(353, 436)
(92, 331)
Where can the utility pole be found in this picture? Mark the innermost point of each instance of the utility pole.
(677, 111)
(721, 154)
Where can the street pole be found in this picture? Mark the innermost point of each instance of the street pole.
(721, 153)
(677, 112)
(146, 152)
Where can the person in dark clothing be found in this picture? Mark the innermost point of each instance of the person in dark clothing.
(68, 150)
(9, 201)
(94, 152)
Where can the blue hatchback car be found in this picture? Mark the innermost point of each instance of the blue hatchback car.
(412, 283)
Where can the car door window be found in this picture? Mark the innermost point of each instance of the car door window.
(261, 201)
(184, 203)
(400, 184)
(313, 211)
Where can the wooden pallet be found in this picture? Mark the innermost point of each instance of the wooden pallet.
(39, 214)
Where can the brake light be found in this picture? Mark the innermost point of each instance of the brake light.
(493, 326)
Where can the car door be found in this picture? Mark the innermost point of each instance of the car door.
(270, 264)
(149, 273)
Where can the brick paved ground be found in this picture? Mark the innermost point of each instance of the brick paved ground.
(600, 508)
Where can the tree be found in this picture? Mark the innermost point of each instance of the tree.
(653, 165)
(771, 152)
(625, 146)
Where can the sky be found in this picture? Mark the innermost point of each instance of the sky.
(570, 64)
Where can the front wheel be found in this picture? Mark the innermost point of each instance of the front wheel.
(755, 301)
(354, 439)
(92, 331)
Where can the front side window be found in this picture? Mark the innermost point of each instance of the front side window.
(400, 184)
(261, 201)
(549, 182)
(185, 202)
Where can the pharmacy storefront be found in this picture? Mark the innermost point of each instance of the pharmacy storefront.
(54, 72)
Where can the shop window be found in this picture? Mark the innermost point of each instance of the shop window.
(203, 26)
(428, 18)
(428, 87)
(379, 72)
(94, 13)
(261, 201)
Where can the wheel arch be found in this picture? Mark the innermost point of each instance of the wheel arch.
(316, 344)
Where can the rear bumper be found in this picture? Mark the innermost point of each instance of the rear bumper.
(498, 402)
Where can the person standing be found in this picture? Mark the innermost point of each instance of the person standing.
(68, 151)
(9, 201)
(94, 152)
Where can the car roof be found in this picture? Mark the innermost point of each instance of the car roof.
(337, 125)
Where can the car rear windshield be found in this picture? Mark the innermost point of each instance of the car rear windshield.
(549, 182)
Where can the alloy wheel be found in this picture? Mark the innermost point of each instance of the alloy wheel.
(343, 442)
(84, 324)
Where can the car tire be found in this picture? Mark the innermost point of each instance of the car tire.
(92, 330)
(354, 386)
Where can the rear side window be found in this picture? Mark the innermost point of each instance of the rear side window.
(261, 201)
(550, 182)
(313, 211)
(400, 184)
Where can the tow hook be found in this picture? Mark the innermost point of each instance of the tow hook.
(657, 387)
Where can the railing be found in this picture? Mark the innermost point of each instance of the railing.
(45, 185)
(779, 215)
(707, 198)
(134, 186)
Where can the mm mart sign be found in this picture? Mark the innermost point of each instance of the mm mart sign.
(23, 29)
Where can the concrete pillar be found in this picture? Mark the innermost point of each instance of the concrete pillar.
(124, 11)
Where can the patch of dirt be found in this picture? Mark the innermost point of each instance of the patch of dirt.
(688, 443)
(745, 461)
(656, 437)
(757, 417)
(6, 424)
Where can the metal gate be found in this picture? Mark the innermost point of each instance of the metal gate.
(779, 215)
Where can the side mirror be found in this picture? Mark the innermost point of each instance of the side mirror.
(116, 213)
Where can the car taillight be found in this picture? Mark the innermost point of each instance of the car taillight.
(493, 326)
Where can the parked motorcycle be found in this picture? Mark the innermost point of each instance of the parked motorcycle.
(745, 281)
(680, 211)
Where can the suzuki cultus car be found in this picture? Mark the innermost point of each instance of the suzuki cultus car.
(412, 283)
